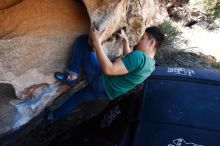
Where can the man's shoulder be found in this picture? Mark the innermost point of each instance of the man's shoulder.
(135, 53)
(139, 55)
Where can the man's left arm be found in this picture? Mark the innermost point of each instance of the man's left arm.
(126, 47)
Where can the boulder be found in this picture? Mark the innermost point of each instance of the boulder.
(36, 36)
(36, 39)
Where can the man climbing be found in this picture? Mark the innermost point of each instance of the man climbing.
(107, 80)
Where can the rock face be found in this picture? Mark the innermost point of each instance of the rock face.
(112, 15)
(36, 37)
(203, 5)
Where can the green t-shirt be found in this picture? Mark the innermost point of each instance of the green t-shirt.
(139, 66)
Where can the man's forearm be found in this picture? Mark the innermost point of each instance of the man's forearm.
(126, 47)
(103, 59)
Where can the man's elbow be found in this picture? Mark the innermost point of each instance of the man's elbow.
(127, 52)
(107, 72)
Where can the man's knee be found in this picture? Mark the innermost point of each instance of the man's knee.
(83, 42)
(82, 39)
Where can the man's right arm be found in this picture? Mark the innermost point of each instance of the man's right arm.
(126, 47)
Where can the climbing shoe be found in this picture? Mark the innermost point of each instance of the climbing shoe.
(64, 78)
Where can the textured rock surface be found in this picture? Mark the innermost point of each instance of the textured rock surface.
(36, 39)
(36, 36)
(203, 5)
(112, 15)
(5, 4)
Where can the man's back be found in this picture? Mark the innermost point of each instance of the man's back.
(139, 66)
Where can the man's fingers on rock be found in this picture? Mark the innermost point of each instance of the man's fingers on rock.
(93, 24)
(121, 31)
(103, 31)
(93, 29)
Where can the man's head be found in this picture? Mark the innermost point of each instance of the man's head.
(151, 40)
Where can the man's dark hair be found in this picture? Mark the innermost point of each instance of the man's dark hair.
(155, 32)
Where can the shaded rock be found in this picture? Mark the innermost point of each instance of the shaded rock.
(203, 5)
(5, 4)
(8, 113)
(17, 112)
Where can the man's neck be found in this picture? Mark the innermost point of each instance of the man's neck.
(147, 51)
